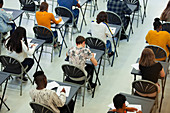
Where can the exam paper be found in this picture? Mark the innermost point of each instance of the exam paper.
(9, 12)
(136, 66)
(67, 89)
(113, 107)
(113, 29)
(52, 85)
(139, 107)
(29, 41)
(94, 57)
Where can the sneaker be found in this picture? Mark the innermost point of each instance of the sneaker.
(93, 85)
(24, 79)
(110, 54)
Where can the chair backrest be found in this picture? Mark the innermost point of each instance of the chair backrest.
(43, 33)
(166, 27)
(145, 86)
(11, 65)
(95, 43)
(64, 12)
(158, 51)
(40, 108)
(73, 72)
(113, 18)
(133, 2)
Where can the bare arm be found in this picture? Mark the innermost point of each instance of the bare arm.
(93, 60)
(162, 73)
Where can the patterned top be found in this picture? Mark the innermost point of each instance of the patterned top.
(78, 56)
(4, 19)
(48, 98)
(120, 8)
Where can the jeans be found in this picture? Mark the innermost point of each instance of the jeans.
(27, 62)
(109, 46)
(13, 28)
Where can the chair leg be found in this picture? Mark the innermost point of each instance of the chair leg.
(104, 64)
(83, 96)
(52, 53)
(21, 86)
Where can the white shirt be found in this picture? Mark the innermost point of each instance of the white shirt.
(48, 98)
(24, 54)
(100, 31)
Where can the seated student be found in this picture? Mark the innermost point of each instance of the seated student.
(17, 47)
(119, 103)
(45, 96)
(100, 30)
(150, 69)
(78, 56)
(5, 19)
(165, 16)
(68, 4)
(158, 37)
(45, 19)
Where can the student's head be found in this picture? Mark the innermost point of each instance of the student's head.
(40, 79)
(44, 6)
(80, 40)
(102, 17)
(119, 101)
(147, 57)
(1, 3)
(14, 42)
(157, 24)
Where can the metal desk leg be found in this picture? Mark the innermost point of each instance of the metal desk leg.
(20, 19)
(3, 95)
(131, 22)
(62, 41)
(144, 6)
(134, 77)
(95, 7)
(38, 61)
(115, 51)
(83, 14)
(97, 77)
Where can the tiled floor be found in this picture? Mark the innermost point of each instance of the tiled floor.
(116, 79)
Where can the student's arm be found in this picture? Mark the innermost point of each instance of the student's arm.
(93, 60)
(132, 109)
(168, 37)
(162, 73)
(54, 20)
(6, 17)
(27, 50)
(78, 5)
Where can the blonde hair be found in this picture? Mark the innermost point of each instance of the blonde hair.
(147, 57)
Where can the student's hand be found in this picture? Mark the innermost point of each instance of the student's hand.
(139, 111)
(63, 90)
(92, 54)
(59, 18)
(131, 109)
(32, 45)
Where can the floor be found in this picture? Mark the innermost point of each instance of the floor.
(116, 79)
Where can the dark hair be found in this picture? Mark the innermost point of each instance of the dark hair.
(44, 6)
(1, 2)
(80, 40)
(119, 100)
(157, 23)
(14, 41)
(102, 17)
(38, 73)
(39, 77)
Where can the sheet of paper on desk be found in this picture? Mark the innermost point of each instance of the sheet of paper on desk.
(113, 29)
(29, 41)
(136, 66)
(94, 57)
(67, 89)
(62, 22)
(113, 107)
(139, 107)
(52, 85)
(10, 12)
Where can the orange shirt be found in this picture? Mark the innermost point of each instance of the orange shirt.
(44, 18)
(161, 38)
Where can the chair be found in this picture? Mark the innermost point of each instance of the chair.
(40, 108)
(166, 27)
(138, 8)
(13, 66)
(44, 33)
(96, 43)
(113, 18)
(158, 51)
(65, 12)
(145, 87)
(75, 75)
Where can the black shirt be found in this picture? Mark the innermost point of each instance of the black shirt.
(151, 73)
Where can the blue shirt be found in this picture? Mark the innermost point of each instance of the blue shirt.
(120, 8)
(67, 3)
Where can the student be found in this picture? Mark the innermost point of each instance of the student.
(101, 31)
(119, 103)
(150, 69)
(5, 20)
(78, 56)
(17, 47)
(45, 96)
(158, 37)
(165, 16)
(45, 19)
(68, 4)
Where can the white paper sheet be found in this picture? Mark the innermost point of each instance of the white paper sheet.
(136, 66)
(139, 107)
(113, 107)
(10, 12)
(29, 40)
(113, 29)
(94, 57)
(67, 89)
(52, 85)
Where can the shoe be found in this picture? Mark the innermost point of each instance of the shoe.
(110, 54)
(123, 36)
(24, 79)
(93, 85)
